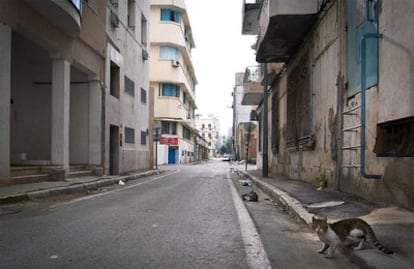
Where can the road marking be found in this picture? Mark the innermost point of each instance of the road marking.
(116, 190)
(255, 253)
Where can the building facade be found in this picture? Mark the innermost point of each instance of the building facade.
(173, 81)
(128, 134)
(59, 95)
(342, 103)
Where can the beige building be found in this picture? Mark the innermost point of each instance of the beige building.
(173, 81)
(72, 80)
(342, 104)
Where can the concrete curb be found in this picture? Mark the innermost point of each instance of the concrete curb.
(72, 188)
(290, 204)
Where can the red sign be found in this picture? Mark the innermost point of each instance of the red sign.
(169, 140)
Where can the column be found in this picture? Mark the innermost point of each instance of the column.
(60, 113)
(95, 122)
(5, 95)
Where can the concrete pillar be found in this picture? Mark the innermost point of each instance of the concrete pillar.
(95, 122)
(60, 113)
(5, 95)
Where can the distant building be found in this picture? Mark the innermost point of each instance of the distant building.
(173, 81)
(209, 128)
(242, 115)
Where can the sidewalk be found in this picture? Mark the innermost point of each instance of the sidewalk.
(393, 226)
(22, 192)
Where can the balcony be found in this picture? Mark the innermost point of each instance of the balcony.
(282, 26)
(250, 24)
(252, 86)
(64, 14)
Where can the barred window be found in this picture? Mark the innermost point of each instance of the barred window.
(143, 138)
(299, 112)
(129, 86)
(129, 135)
(143, 96)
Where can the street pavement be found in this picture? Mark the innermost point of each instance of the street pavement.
(393, 226)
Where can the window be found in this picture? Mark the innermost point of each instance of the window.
(362, 18)
(143, 96)
(169, 127)
(394, 138)
(203, 126)
(144, 30)
(167, 89)
(129, 86)
(186, 133)
(129, 135)
(299, 113)
(143, 137)
(131, 13)
(168, 52)
(114, 83)
(170, 15)
(184, 98)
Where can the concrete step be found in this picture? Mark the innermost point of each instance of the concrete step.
(29, 179)
(80, 173)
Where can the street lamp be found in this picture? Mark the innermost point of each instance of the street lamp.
(156, 138)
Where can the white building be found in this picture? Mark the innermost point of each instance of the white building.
(209, 128)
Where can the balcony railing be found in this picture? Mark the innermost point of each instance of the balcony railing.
(252, 86)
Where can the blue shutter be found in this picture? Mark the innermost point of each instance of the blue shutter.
(177, 16)
(165, 14)
(357, 27)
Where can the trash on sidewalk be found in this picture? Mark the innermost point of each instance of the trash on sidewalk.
(250, 197)
(120, 182)
(246, 182)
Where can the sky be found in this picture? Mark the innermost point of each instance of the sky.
(221, 51)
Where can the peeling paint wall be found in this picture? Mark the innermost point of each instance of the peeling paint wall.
(392, 99)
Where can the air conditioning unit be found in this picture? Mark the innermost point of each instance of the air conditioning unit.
(144, 54)
(114, 20)
(175, 63)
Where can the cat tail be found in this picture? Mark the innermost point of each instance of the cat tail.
(380, 247)
(377, 244)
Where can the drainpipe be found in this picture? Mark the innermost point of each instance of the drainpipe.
(265, 138)
(363, 103)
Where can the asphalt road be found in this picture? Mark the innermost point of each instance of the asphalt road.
(188, 218)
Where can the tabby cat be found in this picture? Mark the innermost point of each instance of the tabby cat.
(345, 233)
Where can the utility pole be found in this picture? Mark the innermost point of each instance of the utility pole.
(265, 133)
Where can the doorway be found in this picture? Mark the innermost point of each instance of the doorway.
(114, 150)
(171, 155)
